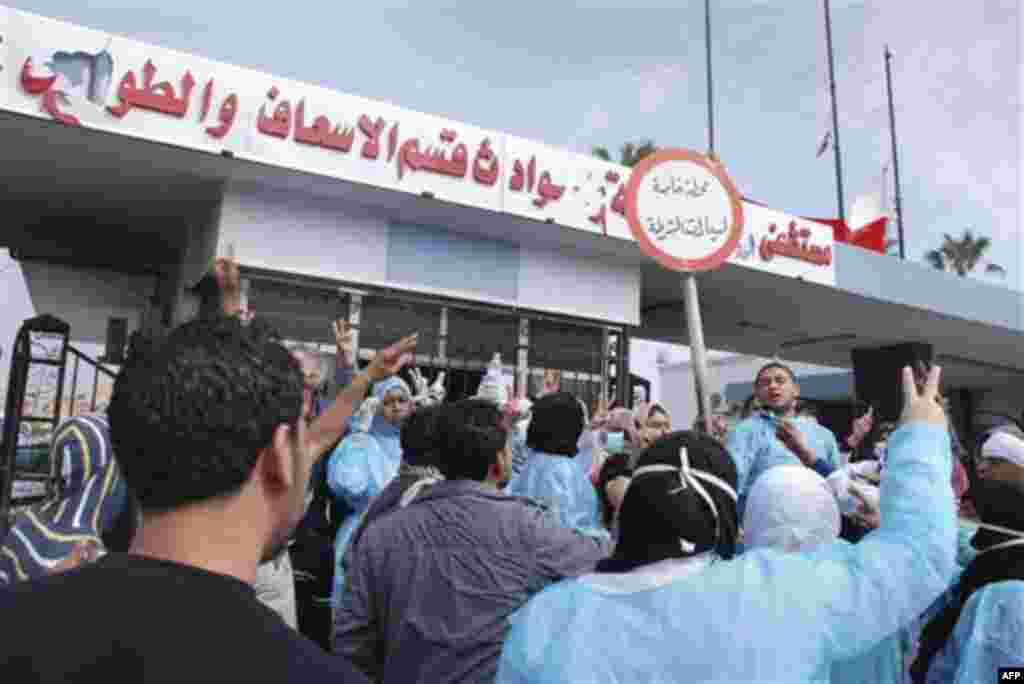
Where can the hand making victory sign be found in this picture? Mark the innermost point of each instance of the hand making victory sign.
(325, 430)
(922, 402)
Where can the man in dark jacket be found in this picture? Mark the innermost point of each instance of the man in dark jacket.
(432, 584)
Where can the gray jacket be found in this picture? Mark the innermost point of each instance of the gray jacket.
(431, 586)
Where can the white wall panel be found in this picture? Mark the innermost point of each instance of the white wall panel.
(565, 283)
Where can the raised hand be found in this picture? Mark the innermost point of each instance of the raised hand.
(344, 338)
(921, 400)
(228, 279)
(226, 273)
(389, 361)
(366, 413)
(437, 390)
(419, 383)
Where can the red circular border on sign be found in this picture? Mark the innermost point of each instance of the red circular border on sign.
(709, 263)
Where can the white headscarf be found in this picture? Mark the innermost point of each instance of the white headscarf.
(1003, 446)
(790, 508)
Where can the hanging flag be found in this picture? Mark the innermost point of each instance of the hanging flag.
(869, 216)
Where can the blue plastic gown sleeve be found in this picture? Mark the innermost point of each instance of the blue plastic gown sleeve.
(740, 445)
(885, 663)
(348, 473)
(832, 451)
(878, 586)
(988, 636)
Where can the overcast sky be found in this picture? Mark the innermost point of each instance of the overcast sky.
(580, 74)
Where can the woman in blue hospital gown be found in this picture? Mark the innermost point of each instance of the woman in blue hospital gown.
(551, 475)
(671, 607)
(366, 461)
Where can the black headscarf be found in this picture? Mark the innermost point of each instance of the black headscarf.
(663, 508)
(556, 425)
(998, 503)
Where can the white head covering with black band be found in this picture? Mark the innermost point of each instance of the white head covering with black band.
(692, 478)
(681, 502)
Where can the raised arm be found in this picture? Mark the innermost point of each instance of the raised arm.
(328, 428)
(870, 590)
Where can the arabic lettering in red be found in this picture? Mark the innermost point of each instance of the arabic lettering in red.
(372, 130)
(278, 125)
(433, 159)
(518, 179)
(547, 191)
(226, 116)
(392, 142)
(159, 97)
(51, 106)
(793, 244)
(207, 97)
(486, 168)
(35, 85)
(52, 97)
(619, 202)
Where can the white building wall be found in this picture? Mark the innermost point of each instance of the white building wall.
(86, 298)
(303, 234)
(562, 282)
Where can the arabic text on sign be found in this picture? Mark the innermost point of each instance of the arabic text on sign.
(689, 187)
(157, 97)
(664, 227)
(794, 243)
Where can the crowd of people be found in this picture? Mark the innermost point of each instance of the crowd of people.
(225, 521)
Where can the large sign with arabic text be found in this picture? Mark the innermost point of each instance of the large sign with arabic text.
(80, 77)
(684, 210)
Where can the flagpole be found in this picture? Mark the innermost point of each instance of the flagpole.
(835, 112)
(711, 99)
(895, 155)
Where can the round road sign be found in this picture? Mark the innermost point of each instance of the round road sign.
(684, 210)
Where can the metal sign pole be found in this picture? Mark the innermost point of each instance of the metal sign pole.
(695, 328)
(688, 199)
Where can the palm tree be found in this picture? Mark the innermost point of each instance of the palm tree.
(963, 255)
(629, 154)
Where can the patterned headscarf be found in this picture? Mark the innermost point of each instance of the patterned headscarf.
(94, 497)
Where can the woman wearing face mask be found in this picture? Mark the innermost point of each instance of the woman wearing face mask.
(622, 445)
(367, 460)
(655, 423)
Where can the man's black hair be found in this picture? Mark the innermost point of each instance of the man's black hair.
(191, 412)
(470, 434)
(419, 437)
(773, 365)
(556, 425)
